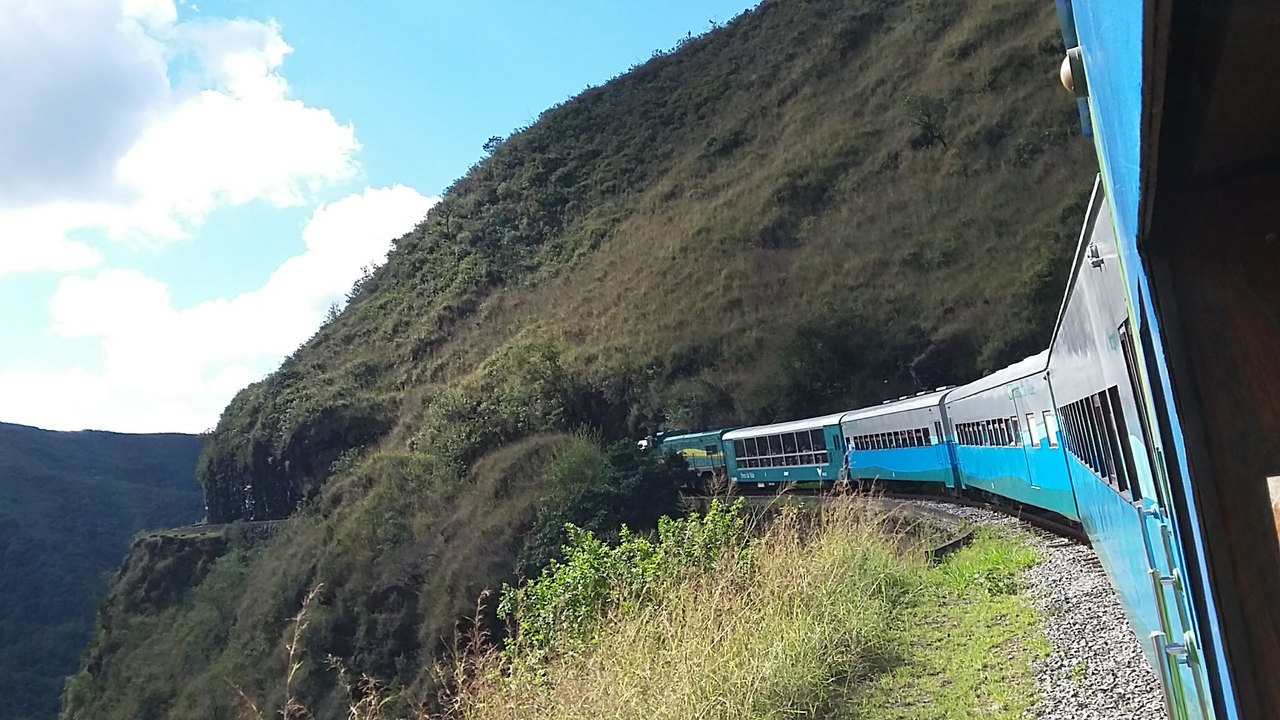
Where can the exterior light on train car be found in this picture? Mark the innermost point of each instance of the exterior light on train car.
(1095, 257)
(1071, 73)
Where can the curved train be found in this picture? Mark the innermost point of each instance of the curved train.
(1153, 417)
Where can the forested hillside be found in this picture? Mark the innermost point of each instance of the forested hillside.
(822, 204)
(69, 505)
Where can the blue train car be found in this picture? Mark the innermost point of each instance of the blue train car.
(1007, 437)
(1185, 104)
(809, 450)
(1112, 458)
(900, 440)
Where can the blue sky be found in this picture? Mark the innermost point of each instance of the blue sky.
(186, 186)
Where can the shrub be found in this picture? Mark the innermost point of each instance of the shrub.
(562, 609)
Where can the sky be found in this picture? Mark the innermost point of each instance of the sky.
(187, 186)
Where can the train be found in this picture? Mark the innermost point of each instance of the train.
(1152, 419)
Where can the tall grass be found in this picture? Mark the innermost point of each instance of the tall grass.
(786, 614)
(787, 633)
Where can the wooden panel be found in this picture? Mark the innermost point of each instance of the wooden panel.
(1222, 252)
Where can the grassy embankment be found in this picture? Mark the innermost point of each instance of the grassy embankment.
(830, 617)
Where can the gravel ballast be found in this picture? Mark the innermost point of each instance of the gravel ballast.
(1096, 669)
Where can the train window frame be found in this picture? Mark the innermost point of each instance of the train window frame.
(804, 445)
(1033, 430)
(1139, 392)
(1082, 430)
(1098, 459)
(1068, 427)
(1051, 428)
(788, 441)
(712, 450)
(818, 440)
(1123, 470)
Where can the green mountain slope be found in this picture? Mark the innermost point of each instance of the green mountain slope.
(820, 205)
(69, 505)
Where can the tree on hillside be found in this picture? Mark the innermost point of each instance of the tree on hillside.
(928, 113)
(492, 144)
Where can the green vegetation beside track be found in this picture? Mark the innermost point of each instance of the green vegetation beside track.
(816, 615)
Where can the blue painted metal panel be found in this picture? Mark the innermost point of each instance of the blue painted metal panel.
(1007, 472)
(923, 464)
(1113, 527)
(1110, 36)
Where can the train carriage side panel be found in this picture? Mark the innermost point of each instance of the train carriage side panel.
(1008, 441)
(902, 440)
(810, 450)
(1091, 368)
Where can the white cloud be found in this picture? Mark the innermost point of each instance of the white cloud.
(119, 119)
(174, 369)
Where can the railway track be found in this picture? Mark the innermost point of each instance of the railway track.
(1041, 520)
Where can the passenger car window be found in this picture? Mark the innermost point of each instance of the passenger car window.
(1051, 428)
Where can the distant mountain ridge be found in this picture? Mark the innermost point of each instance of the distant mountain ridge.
(70, 504)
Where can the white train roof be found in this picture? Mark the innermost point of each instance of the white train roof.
(690, 435)
(793, 426)
(1026, 367)
(917, 402)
